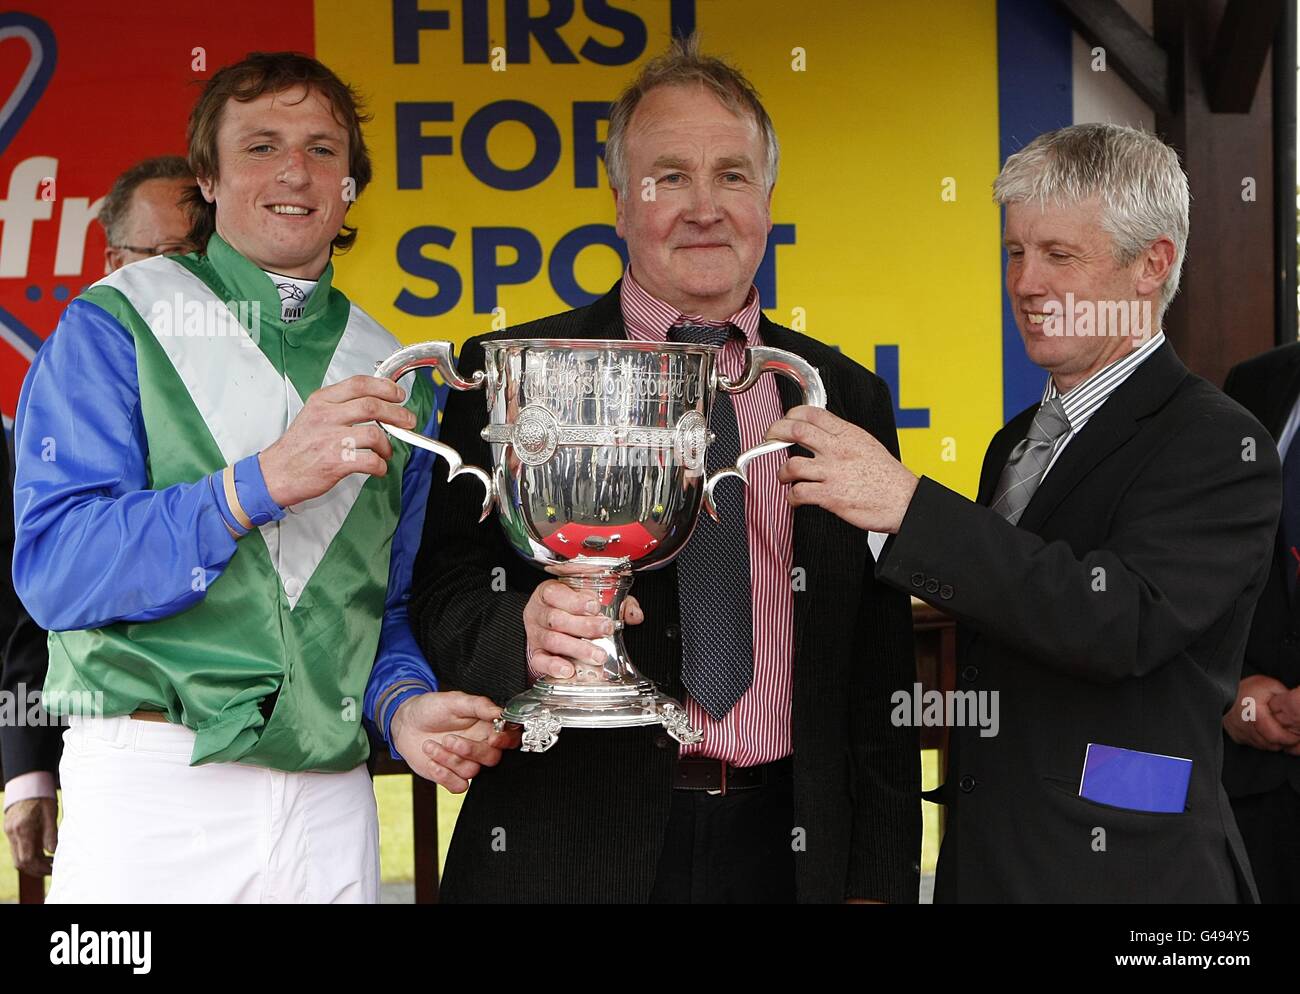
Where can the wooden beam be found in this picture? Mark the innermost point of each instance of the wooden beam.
(1284, 173)
(1225, 311)
(1130, 51)
(1241, 46)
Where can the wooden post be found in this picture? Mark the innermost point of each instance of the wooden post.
(424, 824)
(424, 816)
(1225, 311)
(31, 890)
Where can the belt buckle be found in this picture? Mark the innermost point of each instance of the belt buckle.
(723, 791)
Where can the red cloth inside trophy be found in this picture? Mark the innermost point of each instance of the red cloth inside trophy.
(631, 541)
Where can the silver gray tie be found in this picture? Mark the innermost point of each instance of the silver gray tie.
(1028, 461)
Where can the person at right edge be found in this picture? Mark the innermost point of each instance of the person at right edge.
(803, 789)
(1261, 755)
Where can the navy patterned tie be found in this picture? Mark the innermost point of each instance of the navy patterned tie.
(713, 584)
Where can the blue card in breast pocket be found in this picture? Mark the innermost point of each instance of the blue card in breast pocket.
(1140, 781)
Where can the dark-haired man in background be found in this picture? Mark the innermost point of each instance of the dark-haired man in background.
(1261, 759)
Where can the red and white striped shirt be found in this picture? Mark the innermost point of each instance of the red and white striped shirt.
(757, 729)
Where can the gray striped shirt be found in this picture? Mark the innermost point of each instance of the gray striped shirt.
(1086, 399)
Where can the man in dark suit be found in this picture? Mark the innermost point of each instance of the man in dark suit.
(1105, 579)
(29, 750)
(802, 789)
(1261, 759)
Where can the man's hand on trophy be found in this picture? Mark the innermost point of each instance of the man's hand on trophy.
(447, 736)
(851, 475)
(334, 435)
(558, 619)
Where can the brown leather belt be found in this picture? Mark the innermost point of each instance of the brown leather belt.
(149, 716)
(717, 777)
(266, 706)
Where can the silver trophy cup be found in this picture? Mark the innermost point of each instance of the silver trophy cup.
(598, 472)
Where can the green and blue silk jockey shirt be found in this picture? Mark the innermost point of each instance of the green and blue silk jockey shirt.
(157, 378)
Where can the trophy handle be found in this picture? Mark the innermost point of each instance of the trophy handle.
(762, 359)
(441, 357)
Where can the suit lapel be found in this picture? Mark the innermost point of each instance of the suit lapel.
(1281, 398)
(1144, 392)
(1000, 451)
(777, 338)
(1282, 392)
(605, 318)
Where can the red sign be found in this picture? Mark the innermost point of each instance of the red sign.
(87, 89)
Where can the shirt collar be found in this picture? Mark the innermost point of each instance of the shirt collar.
(1084, 398)
(648, 318)
(248, 281)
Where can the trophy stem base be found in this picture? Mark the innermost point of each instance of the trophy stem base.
(549, 707)
(606, 694)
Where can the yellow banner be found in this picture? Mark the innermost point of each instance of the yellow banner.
(490, 205)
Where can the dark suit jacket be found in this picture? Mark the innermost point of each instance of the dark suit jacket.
(24, 748)
(1115, 613)
(1267, 386)
(585, 821)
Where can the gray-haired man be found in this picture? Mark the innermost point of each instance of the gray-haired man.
(1106, 577)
